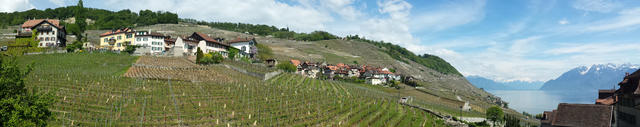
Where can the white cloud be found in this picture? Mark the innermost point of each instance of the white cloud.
(626, 19)
(450, 15)
(602, 6)
(59, 3)
(563, 22)
(15, 5)
(270, 12)
(594, 48)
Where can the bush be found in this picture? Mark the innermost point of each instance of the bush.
(211, 58)
(199, 55)
(495, 114)
(129, 48)
(233, 52)
(78, 45)
(19, 107)
(287, 67)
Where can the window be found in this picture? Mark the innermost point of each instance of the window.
(53, 32)
(53, 39)
(129, 35)
(119, 37)
(40, 44)
(145, 39)
(138, 39)
(119, 44)
(106, 39)
(244, 49)
(47, 32)
(46, 39)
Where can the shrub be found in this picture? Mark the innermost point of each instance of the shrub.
(216, 57)
(129, 49)
(287, 67)
(199, 55)
(495, 114)
(78, 45)
(233, 52)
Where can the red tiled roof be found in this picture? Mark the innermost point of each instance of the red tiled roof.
(581, 115)
(295, 62)
(153, 34)
(170, 40)
(238, 40)
(207, 38)
(118, 31)
(32, 23)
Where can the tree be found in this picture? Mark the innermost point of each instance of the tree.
(130, 48)
(495, 114)
(77, 45)
(287, 67)
(199, 55)
(233, 52)
(19, 107)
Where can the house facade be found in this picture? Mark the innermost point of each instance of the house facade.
(247, 46)
(117, 40)
(189, 45)
(49, 32)
(154, 42)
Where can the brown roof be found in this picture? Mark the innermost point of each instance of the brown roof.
(170, 40)
(118, 31)
(32, 23)
(631, 84)
(238, 40)
(295, 62)
(582, 115)
(207, 38)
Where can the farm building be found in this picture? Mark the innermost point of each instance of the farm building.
(49, 32)
(247, 46)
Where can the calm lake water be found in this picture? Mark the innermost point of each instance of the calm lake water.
(536, 101)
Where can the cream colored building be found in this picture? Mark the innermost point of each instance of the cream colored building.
(117, 40)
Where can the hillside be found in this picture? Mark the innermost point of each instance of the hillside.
(590, 78)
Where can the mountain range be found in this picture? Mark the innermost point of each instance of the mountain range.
(594, 77)
(489, 84)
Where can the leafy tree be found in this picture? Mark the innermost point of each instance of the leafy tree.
(199, 55)
(539, 116)
(77, 45)
(495, 114)
(19, 107)
(129, 48)
(287, 67)
(216, 57)
(233, 52)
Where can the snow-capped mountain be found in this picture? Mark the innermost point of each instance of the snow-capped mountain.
(489, 84)
(594, 77)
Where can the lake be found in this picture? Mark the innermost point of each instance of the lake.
(537, 101)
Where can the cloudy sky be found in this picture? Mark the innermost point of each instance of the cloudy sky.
(531, 40)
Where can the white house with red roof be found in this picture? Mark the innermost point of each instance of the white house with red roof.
(189, 45)
(49, 32)
(247, 46)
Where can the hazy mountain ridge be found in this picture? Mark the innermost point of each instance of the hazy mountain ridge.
(594, 77)
(489, 84)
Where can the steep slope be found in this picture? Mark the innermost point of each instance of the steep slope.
(330, 51)
(594, 77)
(489, 84)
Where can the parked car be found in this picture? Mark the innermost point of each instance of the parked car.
(4, 48)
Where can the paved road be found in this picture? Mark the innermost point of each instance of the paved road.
(472, 119)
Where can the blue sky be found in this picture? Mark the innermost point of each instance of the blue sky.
(531, 40)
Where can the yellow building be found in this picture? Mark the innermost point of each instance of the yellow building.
(117, 39)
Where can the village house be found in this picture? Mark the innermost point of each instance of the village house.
(49, 32)
(371, 75)
(117, 40)
(247, 46)
(149, 42)
(578, 115)
(619, 108)
(188, 45)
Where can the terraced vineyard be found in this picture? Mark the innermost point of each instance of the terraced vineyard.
(91, 91)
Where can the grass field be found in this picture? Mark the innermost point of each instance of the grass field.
(91, 91)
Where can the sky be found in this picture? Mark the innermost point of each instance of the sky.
(505, 40)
